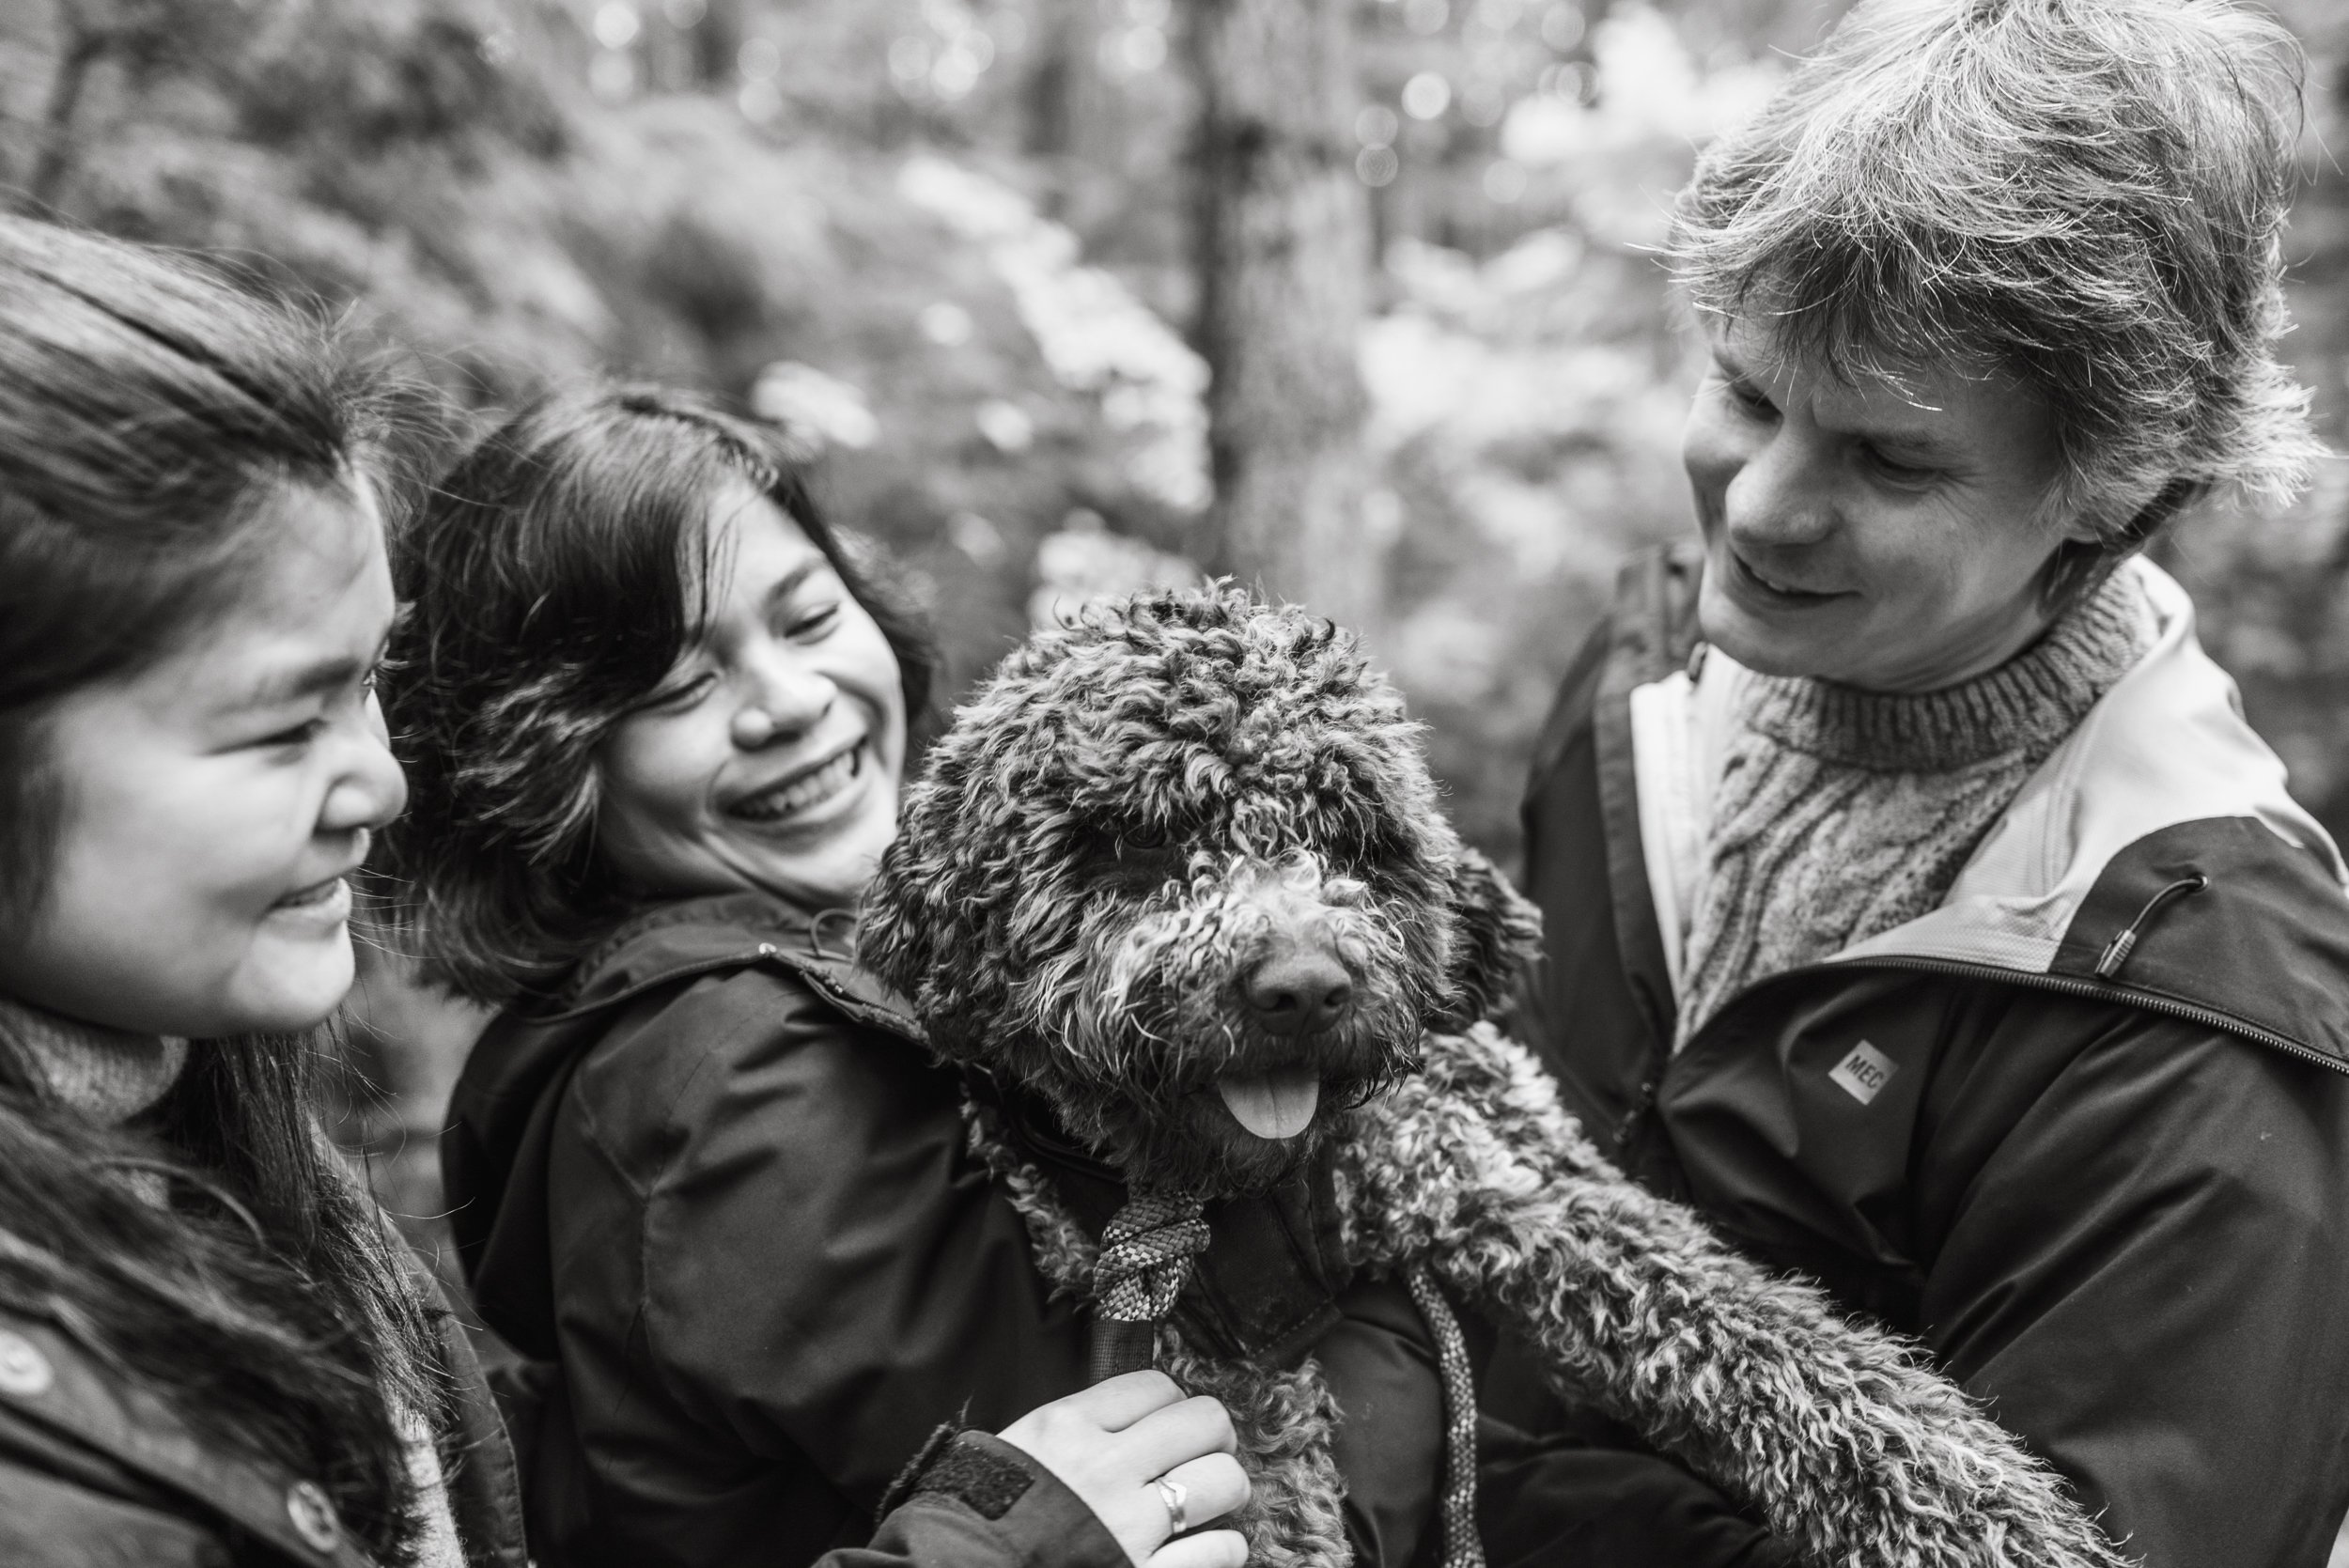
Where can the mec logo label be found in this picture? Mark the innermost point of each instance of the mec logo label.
(1863, 1074)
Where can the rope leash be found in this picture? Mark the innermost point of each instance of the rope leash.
(1145, 1260)
(1461, 1546)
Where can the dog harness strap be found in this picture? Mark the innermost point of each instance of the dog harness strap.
(1145, 1259)
(1113, 1349)
(1462, 1549)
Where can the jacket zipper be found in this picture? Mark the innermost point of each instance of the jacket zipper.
(1642, 1102)
(2102, 988)
(2209, 1017)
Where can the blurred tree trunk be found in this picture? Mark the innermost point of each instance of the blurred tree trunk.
(718, 43)
(1053, 97)
(1284, 251)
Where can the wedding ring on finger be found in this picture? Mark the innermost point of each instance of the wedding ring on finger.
(1174, 1495)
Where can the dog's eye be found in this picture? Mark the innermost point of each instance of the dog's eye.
(1141, 836)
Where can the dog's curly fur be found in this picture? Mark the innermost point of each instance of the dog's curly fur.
(1116, 835)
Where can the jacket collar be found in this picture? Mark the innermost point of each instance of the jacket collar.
(2163, 816)
(680, 939)
(2166, 747)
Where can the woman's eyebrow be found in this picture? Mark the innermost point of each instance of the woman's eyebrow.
(790, 581)
(310, 678)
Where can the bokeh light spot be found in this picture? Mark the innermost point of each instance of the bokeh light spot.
(1504, 181)
(1427, 96)
(760, 59)
(1562, 26)
(616, 24)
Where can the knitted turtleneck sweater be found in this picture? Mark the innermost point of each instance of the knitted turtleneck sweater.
(1841, 813)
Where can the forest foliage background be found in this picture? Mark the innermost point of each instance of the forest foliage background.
(954, 246)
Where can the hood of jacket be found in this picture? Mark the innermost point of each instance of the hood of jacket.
(493, 1150)
(2155, 857)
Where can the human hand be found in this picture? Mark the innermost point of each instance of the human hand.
(1112, 1443)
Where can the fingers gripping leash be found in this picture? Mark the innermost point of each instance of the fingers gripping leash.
(1146, 1253)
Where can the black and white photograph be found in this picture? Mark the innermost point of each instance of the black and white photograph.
(1174, 783)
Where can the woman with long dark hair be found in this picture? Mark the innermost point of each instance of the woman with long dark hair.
(213, 1348)
(208, 1339)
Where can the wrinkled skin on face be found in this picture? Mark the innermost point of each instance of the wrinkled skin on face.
(1180, 872)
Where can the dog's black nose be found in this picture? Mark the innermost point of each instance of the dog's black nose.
(1298, 990)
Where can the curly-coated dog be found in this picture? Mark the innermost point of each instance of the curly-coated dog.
(1175, 888)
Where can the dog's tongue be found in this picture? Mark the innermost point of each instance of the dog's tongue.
(1274, 1105)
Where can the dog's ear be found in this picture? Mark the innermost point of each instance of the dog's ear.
(891, 935)
(916, 930)
(1496, 932)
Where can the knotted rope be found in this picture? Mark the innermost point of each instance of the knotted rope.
(1461, 1546)
(1145, 1259)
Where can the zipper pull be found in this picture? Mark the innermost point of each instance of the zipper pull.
(2118, 950)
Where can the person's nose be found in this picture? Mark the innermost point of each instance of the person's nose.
(782, 699)
(369, 789)
(1783, 495)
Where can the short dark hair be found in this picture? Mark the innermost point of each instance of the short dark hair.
(2085, 194)
(553, 582)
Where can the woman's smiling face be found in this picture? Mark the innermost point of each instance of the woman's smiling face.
(770, 758)
(215, 801)
(1882, 537)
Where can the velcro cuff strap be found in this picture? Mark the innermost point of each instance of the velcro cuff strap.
(983, 1472)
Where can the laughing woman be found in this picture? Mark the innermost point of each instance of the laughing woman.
(702, 1175)
(1919, 904)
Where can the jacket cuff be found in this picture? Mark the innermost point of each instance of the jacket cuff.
(910, 1478)
(1030, 1516)
(983, 1473)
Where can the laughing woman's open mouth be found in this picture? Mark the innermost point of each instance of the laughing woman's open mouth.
(805, 790)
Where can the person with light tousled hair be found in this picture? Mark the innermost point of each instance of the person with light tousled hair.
(1919, 905)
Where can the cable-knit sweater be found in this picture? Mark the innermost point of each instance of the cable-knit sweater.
(1841, 813)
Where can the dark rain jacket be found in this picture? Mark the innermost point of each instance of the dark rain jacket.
(734, 1221)
(96, 1472)
(2083, 1129)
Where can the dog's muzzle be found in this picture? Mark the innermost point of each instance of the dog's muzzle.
(1297, 989)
